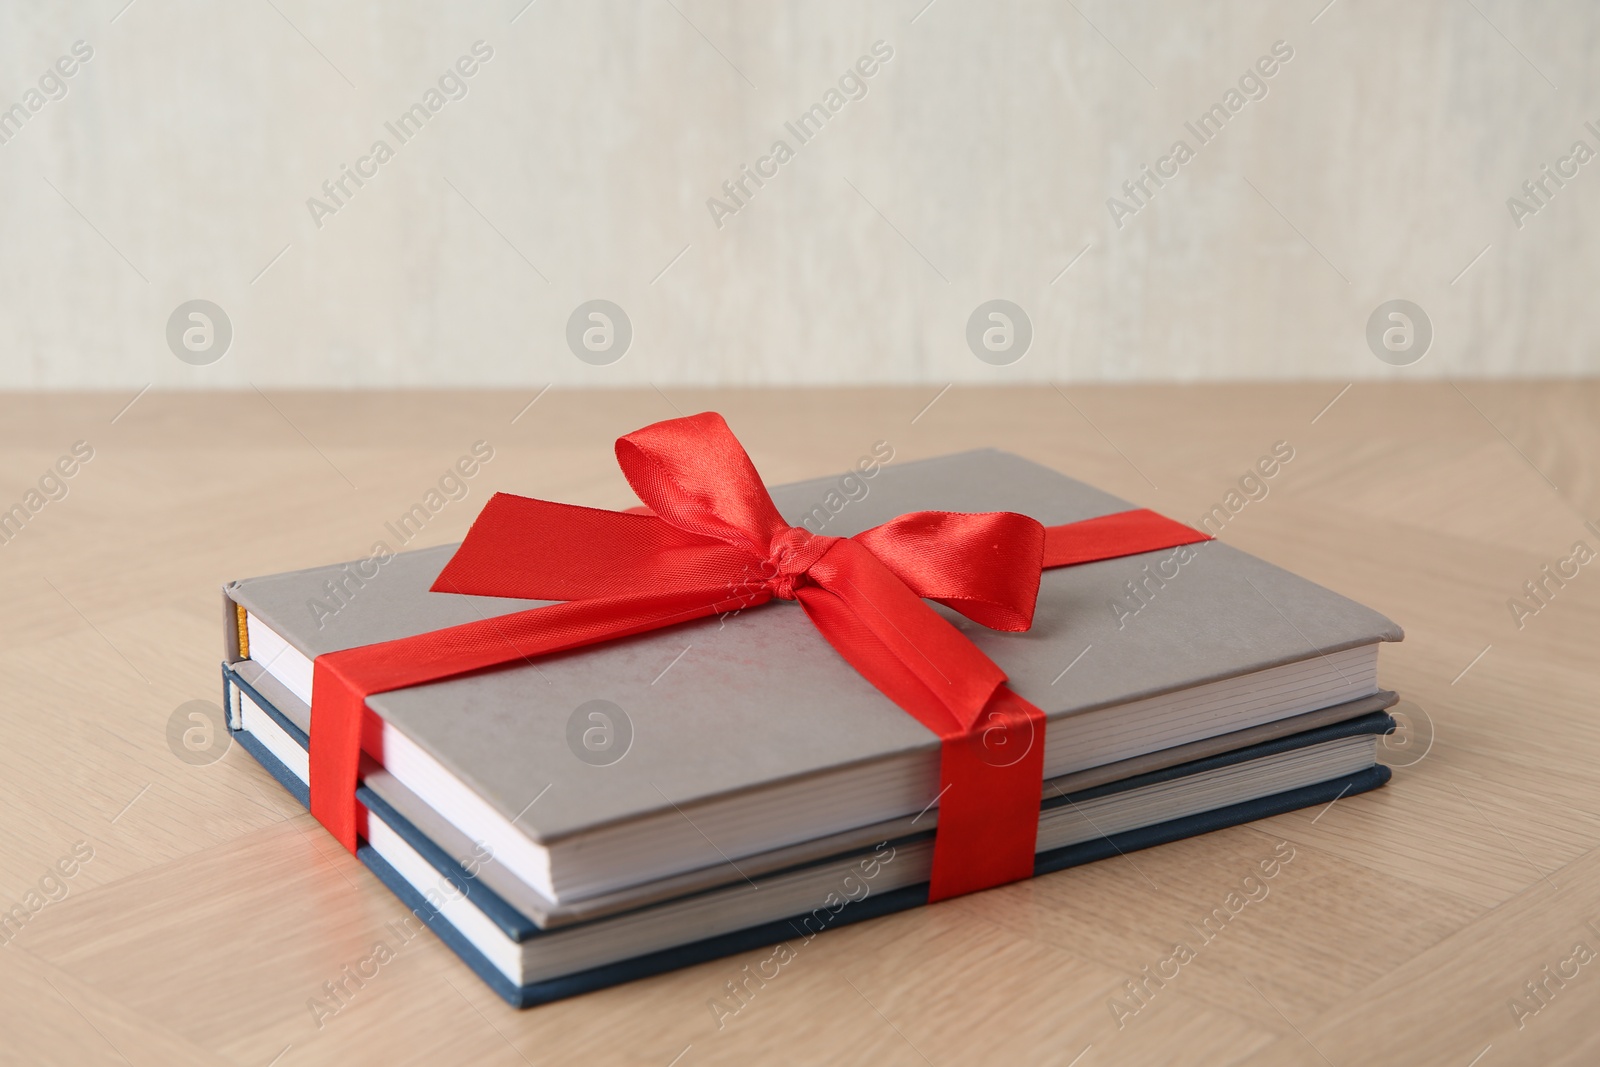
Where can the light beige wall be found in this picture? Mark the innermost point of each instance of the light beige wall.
(977, 166)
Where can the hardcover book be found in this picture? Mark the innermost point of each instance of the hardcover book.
(640, 774)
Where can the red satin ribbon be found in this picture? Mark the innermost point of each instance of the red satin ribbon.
(712, 541)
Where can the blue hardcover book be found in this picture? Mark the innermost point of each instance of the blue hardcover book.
(513, 953)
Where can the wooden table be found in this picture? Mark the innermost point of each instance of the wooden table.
(1402, 931)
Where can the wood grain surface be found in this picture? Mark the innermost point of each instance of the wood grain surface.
(1405, 929)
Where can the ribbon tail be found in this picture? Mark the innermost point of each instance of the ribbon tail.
(990, 774)
(890, 634)
(875, 662)
(991, 759)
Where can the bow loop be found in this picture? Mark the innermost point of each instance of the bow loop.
(694, 474)
(985, 566)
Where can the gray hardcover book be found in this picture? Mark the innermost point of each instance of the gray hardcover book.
(730, 737)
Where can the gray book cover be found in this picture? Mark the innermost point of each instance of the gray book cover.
(719, 706)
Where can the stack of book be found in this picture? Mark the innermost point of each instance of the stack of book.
(730, 783)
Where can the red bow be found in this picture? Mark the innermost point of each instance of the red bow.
(712, 541)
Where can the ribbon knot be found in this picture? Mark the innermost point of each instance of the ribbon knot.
(791, 555)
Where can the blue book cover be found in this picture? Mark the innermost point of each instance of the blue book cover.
(519, 928)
